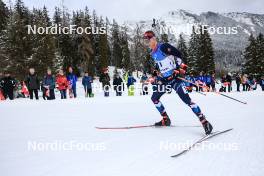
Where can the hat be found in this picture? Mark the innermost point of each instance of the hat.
(149, 34)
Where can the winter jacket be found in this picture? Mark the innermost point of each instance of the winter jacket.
(32, 82)
(62, 82)
(200, 79)
(87, 82)
(144, 79)
(244, 79)
(261, 82)
(118, 82)
(105, 79)
(130, 81)
(7, 83)
(49, 80)
(238, 79)
(228, 78)
(208, 79)
(72, 78)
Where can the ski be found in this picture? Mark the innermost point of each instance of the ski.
(201, 140)
(142, 126)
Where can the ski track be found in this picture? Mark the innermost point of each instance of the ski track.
(133, 151)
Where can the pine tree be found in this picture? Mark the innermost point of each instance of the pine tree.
(116, 48)
(125, 49)
(138, 50)
(3, 22)
(3, 15)
(183, 49)
(58, 60)
(253, 55)
(164, 38)
(205, 60)
(65, 47)
(18, 41)
(103, 48)
(193, 52)
(86, 47)
(260, 56)
(250, 56)
(44, 44)
(96, 43)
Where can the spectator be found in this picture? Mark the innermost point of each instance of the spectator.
(87, 85)
(238, 82)
(248, 83)
(2, 97)
(208, 81)
(72, 79)
(118, 85)
(229, 82)
(244, 81)
(33, 83)
(144, 82)
(48, 86)
(261, 83)
(200, 81)
(130, 84)
(62, 84)
(24, 90)
(213, 82)
(105, 80)
(253, 84)
(7, 85)
(223, 84)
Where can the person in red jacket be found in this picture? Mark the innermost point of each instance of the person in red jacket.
(62, 83)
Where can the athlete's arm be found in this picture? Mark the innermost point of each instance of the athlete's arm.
(170, 50)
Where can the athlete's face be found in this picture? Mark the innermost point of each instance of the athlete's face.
(150, 43)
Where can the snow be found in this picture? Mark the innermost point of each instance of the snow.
(135, 151)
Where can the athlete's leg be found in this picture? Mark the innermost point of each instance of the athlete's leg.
(159, 106)
(183, 94)
(156, 100)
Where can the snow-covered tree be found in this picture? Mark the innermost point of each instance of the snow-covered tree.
(183, 49)
(193, 52)
(44, 44)
(205, 61)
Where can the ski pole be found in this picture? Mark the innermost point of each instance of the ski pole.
(231, 97)
(200, 93)
(214, 92)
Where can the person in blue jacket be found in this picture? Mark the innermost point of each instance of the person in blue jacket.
(72, 78)
(208, 80)
(171, 68)
(87, 84)
(130, 80)
(262, 83)
(48, 85)
(130, 84)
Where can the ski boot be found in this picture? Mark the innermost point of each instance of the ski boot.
(165, 121)
(208, 128)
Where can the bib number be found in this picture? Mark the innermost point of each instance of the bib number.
(167, 64)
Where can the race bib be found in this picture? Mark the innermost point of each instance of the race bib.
(166, 65)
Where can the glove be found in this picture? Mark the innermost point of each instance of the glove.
(179, 72)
